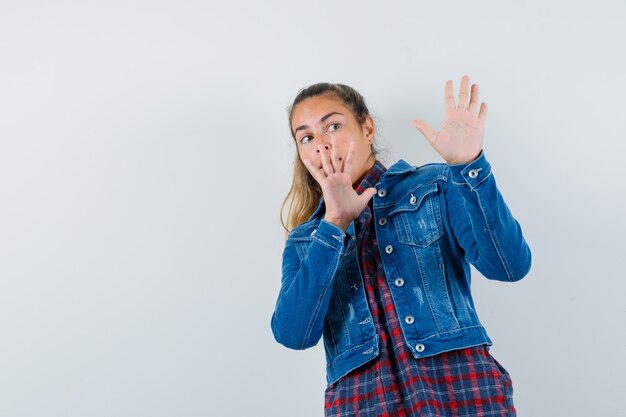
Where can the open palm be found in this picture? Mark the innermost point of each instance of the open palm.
(461, 137)
(343, 204)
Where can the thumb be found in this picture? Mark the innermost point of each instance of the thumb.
(426, 130)
(367, 195)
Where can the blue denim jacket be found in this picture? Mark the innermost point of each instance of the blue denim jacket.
(431, 223)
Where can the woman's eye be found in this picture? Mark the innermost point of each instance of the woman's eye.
(332, 127)
(305, 139)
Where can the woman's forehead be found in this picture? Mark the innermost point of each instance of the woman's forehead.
(314, 108)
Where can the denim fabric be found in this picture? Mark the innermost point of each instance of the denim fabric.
(431, 223)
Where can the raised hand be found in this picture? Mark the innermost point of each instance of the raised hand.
(461, 138)
(343, 204)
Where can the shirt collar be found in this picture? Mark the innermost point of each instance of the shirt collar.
(371, 178)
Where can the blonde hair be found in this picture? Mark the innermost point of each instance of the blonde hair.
(305, 193)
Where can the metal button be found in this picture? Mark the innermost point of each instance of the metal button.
(420, 347)
(382, 221)
(409, 319)
(472, 173)
(399, 282)
(388, 248)
(382, 192)
(413, 199)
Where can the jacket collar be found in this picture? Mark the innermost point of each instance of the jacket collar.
(318, 209)
(400, 167)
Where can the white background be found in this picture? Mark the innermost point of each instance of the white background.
(145, 151)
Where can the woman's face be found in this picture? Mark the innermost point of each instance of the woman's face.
(316, 119)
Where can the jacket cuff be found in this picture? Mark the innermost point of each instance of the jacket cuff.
(330, 235)
(472, 173)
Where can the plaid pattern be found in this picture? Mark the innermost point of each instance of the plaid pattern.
(462, 383)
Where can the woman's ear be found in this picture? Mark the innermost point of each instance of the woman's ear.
(368, 128)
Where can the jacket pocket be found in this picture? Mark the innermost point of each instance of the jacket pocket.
(417, 216)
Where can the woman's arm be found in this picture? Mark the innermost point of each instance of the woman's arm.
(304, 296)
(298, 320)
(481, 221)
(483, 224)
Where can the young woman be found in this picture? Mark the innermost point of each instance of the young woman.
(377, 260)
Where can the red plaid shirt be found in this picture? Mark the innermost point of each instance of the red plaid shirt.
(466, 382)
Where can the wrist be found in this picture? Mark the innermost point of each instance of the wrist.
(464, 161)
(340, 223)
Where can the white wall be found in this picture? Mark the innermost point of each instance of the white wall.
(144, 153)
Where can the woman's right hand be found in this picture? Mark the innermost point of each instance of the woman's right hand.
(343, 204)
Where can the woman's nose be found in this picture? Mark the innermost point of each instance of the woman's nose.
(324, 140)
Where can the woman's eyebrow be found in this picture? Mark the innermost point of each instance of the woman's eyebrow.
(321, 121)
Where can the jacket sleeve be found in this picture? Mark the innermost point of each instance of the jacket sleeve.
(483, 224)
(304, 296)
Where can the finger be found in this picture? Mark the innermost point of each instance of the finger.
(316, 173)
(482, 115)
(326, 165)
(474, 99)
(367, 195)
(426, 130)
(463, 92)
(347, 166)
(449, 96)
(334, 155)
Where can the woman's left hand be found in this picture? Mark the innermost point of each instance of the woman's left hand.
(461, 138)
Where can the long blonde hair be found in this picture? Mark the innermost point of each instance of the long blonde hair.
(305, 193)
